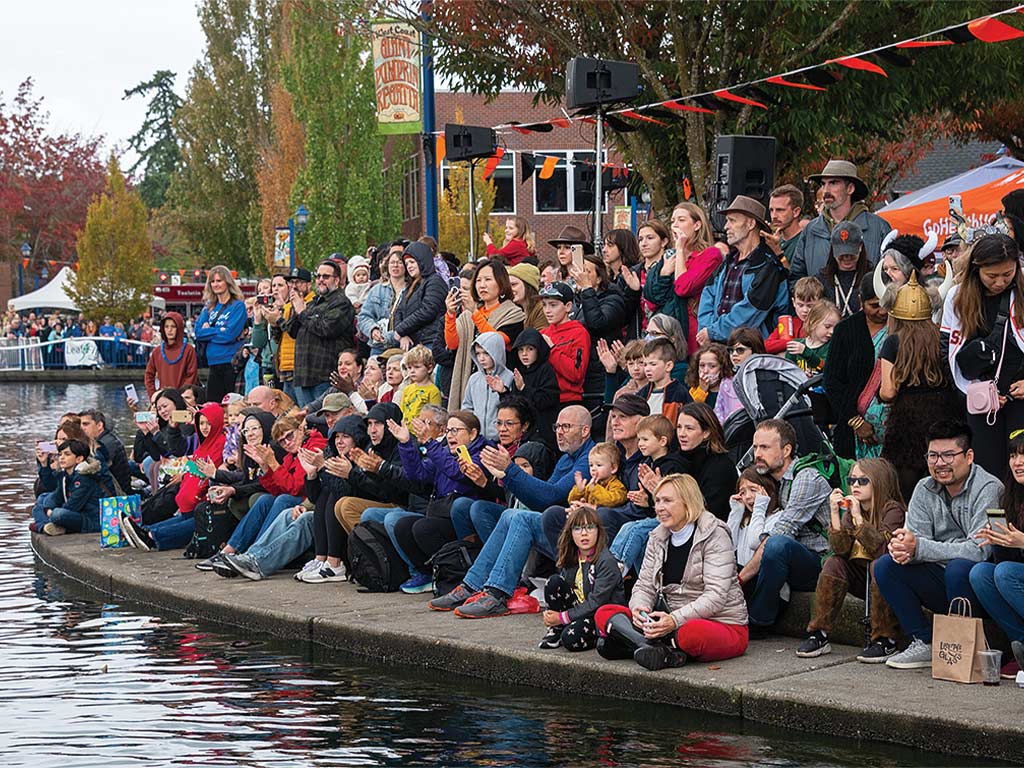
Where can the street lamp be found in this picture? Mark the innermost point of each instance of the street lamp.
(26, 252)
(300, 218)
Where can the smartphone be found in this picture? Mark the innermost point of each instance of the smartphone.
(181, 417)
(463, 453)
(645, 616)
(47, 447)
(996, 516)
(577, 255)
(454, 284)
(130, 393)
(144, 417)
(265, 300)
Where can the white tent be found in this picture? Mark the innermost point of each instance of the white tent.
(54, 295)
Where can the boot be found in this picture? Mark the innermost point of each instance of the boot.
(622, 639)
(884, 623)
(828, 602)
(659, 656)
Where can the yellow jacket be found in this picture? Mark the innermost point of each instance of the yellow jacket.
(606, 493)
(286, 346)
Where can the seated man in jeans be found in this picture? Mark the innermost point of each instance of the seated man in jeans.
(499, 565)
(790, 553)
(929, 560)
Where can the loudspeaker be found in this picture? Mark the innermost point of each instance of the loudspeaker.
(467, 142)
(743, 165)
(594, 82)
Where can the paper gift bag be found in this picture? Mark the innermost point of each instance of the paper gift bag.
(111, 509)
(956, 640)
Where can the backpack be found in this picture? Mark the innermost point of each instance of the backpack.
(374, 561)
(451, 562)
(214, 525)
(835, 469)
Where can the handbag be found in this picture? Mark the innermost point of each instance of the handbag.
(983, 396)
(111, 509)
(956, 640)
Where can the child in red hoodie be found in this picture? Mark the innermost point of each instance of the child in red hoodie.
(807, 291)
(569, 342)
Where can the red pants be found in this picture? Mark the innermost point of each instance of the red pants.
(700, 639)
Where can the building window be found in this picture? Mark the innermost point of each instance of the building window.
(504, 182)
(570, 188)
(411, 188)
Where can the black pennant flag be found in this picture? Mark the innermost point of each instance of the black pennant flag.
(529, 165)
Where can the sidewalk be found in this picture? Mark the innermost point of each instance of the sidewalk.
(832, 694)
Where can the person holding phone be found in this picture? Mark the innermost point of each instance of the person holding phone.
(158, 437)
(173, 363)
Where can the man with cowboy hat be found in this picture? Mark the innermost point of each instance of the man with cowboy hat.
(749, 288)
(844, 194)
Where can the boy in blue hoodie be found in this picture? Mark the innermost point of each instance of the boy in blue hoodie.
(81, 485)
(488, 383)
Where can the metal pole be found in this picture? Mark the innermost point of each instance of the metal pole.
(472, 215)
(429, 154)
(291, 244)
(21, 279)
(597, 181)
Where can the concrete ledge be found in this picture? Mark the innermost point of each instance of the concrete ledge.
(73, 375)
(832, 694)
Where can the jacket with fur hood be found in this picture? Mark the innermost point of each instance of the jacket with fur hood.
(479, 397)
(420, 312)
(540, 384)
(81, 489)
(171, 365)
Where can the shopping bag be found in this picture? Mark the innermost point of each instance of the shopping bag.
(111, 508)
(956, 640)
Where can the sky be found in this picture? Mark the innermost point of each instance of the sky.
(83, 56)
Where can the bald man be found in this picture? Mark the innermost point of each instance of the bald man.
(500, 563)
(263, 398)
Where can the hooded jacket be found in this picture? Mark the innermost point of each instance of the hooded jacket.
(246, 479)
(514, 251)
(81, 489)
(420, 312)
(193, 489)
(376, 313)
(380, 485)
(439, 465)
(171, 365)
(479, 397)
(540, 384)
(569, 356)
(330, 486)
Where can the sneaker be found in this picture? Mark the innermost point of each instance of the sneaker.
(815, 645)
(313, 566)
(221, 568)
(521, 602)
(210, 562)
(52, 529)
(137, 535)
(487, 606)
(1009, 670)
(452, 600)
(1018, 651)
(918, 655)
(658, 656)
(246, 565)
(33, 527)
(552, 638)
(417, 584)
(322, 575)
(877, 651)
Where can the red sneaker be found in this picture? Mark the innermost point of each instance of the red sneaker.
(1010, 670)
(523, 602)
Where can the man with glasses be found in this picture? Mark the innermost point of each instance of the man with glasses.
(929, 559)
(321, 328)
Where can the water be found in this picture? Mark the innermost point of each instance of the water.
(87, 683)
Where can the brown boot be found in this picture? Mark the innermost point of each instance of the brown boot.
(828, 602)
(883, 621)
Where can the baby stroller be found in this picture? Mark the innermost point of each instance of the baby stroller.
(773, 387)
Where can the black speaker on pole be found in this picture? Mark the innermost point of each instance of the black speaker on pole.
(595, 82)
(743, 165)
(468, 142)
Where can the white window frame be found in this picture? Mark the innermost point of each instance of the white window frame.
(511, 155)
(570, 181)
(412, 172)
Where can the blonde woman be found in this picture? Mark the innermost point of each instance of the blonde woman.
(219, 330)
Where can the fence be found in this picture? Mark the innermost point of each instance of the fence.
(31, 354)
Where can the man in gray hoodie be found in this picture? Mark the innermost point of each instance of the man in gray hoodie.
(930, 558)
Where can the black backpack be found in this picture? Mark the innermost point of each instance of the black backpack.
(451, 562)
(375, 563)
(214, 525)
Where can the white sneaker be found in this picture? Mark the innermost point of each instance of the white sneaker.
(325, 574)
(918, 655)
(313, 565)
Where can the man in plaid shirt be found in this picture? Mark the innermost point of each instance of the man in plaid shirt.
(321, 329)
(791, 551)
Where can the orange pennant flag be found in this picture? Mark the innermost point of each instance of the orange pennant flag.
(853, 62)
(492, 162)
(993, 31)
(561, 122)
(725, 94)
(548, 169)
(439, 148)
(780, 80)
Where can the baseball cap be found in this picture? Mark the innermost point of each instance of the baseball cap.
(299, 273)
(334, 402)
(847, 238)
(560, 291)
(630, 405)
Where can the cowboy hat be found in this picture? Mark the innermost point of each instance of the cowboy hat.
(571, 235)
(843, 169)
(748, 206)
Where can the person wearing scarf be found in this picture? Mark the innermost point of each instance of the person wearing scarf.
(173, 363)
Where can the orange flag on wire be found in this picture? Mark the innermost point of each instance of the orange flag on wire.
(548, 169)
(492, 162)
(439, 148)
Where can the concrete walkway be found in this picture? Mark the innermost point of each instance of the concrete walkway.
(831, 695)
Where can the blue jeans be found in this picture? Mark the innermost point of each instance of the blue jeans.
(471, 516)
(909, 587)
(44, 501)
(784, 560)
(174, 532)
(388, 516)
(76, 522)
(1000, 589)
(501, 561)
(283, 541)
(631, 542)
(306, 395)
(258, 519)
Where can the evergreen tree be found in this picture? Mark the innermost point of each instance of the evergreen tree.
(155, 142)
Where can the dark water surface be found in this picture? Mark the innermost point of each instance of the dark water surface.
(87, 683)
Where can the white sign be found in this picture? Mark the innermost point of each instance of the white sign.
(81, 354)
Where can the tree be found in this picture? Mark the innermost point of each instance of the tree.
(155, 142)
(280, 164)
(46, 181)
(453, 210)
(115, 256)
(695, 47)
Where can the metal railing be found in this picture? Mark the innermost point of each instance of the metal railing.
(31, 354)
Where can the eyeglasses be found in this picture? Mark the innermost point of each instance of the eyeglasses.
(455, 430)
(287, 437)
(585, 528)
(738, 349)
(859, 481)
(324, 275)
(564, 427)
(946, 457)
(508, 423)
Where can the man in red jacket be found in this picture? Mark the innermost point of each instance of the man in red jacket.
(569, 342)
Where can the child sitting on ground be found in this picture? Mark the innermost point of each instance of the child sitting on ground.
(656, 440)
(486, 385)
(811, 351)
(751, 511)
(807, 292)
(81, 485)
(605, 489)
(588, 578)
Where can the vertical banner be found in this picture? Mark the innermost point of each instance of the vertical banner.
(396, 72)
(622, 217)
(282, 248)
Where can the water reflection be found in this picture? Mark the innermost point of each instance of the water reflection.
(84, 683)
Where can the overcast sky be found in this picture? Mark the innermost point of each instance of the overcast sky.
(83, 56)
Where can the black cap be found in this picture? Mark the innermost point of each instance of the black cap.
(298, 273)
(560, 291)
(630, 405)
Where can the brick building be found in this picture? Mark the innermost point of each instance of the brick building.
(565, 198)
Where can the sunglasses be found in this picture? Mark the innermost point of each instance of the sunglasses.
(738, 349)
(862, 481)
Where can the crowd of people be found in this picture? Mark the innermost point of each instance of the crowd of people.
(567, 415)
